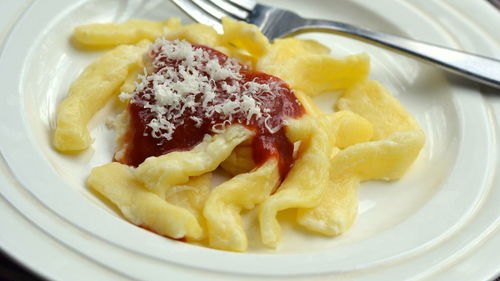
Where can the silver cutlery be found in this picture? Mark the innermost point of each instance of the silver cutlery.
(276, 23)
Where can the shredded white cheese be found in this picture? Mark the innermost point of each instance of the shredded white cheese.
(183, 78)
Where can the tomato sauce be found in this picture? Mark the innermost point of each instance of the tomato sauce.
(280, 103)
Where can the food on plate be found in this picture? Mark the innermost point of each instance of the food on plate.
(90, 92)
(197, 103)
(104, 35)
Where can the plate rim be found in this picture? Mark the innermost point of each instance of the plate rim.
(7, 39)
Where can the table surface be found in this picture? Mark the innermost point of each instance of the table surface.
(9, 268)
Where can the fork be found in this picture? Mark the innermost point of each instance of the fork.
(275, 23)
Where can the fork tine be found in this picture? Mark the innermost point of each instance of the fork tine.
(198, 14)
(234, 11)
(248, 5)
(210, 9)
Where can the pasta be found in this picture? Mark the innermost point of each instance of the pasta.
(226, 201)
(307, 180)
(161, 173)
(90, 92)
(117, 182)
(197, 102)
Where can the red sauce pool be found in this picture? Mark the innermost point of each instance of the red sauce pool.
(281, 103)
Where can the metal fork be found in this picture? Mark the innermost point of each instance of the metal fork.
(275, 23)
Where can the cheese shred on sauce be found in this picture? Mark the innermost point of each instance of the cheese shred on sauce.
(192, 83)
(188, 91)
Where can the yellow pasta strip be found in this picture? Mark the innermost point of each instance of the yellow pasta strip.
(161, 173)
(244, 191)
(308, 104)
(129, 85)
(337, 209)
(90, 92)
(372, 101)
(192, 195)
(306, 181)
(398, 140)
(244, 41)
(348, 127)
(240, 160)
(397, 136)
(195, 33)
(378, 160)
(314, 74)
(282, 50)
(117, 183)
(104, 35)
(386, 159)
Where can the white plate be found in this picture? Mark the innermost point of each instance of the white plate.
(440, 221)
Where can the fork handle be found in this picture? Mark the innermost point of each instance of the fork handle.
(478, 68)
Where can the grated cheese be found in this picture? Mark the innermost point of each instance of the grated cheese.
(183, 78)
